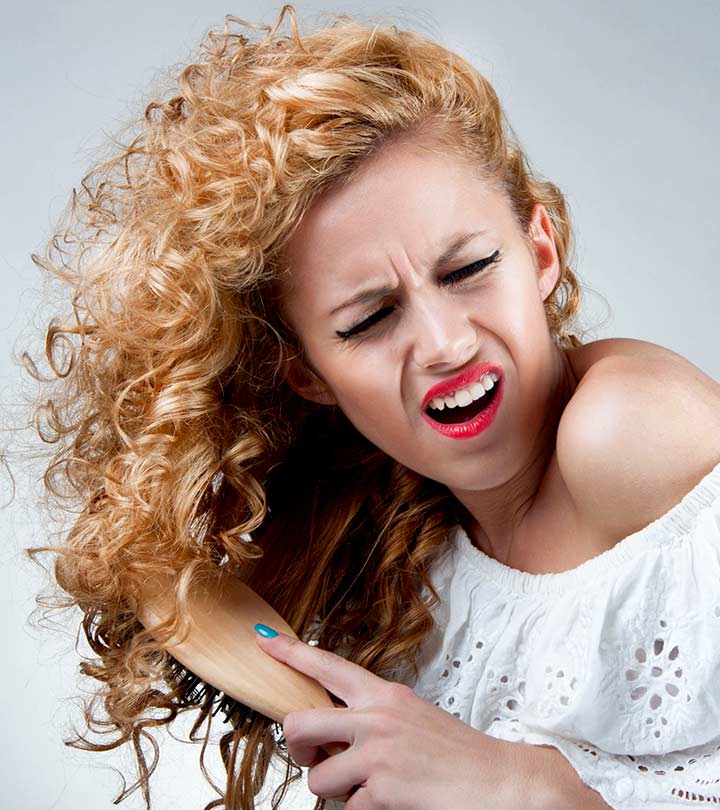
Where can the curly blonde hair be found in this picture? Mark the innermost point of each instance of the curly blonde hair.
(179, 447)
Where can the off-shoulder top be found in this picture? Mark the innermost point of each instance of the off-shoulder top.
(616, 663)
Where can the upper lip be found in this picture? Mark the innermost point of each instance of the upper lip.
(470, 375)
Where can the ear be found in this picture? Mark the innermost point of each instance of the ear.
(305, 381)
(543, 240)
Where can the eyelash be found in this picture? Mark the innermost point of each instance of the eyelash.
(468, 270)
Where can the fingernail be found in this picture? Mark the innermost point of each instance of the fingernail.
(265, 631)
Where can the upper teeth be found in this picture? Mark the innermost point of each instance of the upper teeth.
(466, 395)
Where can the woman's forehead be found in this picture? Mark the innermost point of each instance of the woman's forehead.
(409, 200)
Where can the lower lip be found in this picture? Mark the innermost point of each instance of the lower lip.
(466, 430)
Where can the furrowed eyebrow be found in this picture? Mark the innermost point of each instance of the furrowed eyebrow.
(379, 292)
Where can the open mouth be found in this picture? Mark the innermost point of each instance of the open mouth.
(462, 413)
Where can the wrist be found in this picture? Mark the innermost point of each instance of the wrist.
(537, 784)
(553, 783)
(526, 780)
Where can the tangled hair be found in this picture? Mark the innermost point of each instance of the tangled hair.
(179, 448)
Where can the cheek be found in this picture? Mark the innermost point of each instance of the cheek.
(375, 407)
(518, 308)
(362, 391)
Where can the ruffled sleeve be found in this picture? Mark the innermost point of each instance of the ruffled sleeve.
(615, 663)
(646, 643)
(657, 782)
(643, 729)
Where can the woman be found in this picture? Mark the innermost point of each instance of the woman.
(322, 337)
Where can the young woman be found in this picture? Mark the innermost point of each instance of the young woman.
(322, 338)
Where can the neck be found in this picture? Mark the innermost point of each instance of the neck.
(493, 518)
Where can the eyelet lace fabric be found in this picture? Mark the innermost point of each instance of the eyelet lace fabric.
(616, 663)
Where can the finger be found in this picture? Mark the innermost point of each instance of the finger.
(352, 683)
(338, 776)
(308, 729)
(308, 756)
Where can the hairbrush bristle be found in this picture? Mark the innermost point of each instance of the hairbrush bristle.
(193, 690)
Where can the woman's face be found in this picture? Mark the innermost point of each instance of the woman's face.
(462, 286)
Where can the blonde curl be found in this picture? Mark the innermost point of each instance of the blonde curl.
(177, 443)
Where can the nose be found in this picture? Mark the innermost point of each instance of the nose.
(442, 334)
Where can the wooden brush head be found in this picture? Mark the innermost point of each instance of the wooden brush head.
(221, 649)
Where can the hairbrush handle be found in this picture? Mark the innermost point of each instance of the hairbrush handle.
(221, 649)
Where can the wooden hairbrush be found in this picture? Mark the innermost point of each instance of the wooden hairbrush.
(220, 648)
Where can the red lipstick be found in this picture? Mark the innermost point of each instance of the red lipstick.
(468, 376)
(480, 422)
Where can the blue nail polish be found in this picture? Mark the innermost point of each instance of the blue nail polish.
(265, 631)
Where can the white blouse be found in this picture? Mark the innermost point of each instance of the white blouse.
(616, 663)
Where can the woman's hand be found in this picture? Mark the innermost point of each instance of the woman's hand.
(404, 753)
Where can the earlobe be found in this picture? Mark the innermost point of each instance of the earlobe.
(303, 379)
(546, 258)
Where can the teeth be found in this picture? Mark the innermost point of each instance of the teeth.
(466, 395)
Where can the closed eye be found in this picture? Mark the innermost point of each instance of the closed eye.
(449, 280)
(471, 269)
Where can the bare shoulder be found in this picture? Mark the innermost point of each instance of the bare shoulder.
(583, 358)
(641, 430)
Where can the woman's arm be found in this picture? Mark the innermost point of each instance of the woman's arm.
(553, 782)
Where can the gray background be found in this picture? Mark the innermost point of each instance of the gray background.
(615, 102)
